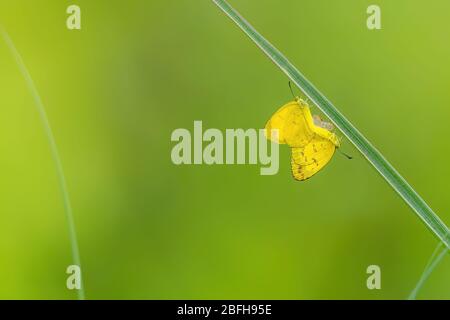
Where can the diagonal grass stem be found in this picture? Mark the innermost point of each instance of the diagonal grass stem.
(375, 158)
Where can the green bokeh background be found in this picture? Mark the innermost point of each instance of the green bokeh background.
(148, 229)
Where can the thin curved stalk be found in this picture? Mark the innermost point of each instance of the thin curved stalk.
(433, 262)
(375, 158)
(55, 155)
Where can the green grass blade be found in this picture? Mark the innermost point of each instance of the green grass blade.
(388, 172)
(433, 262)
(54, 151)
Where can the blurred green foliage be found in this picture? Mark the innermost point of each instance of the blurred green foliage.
(114, 92)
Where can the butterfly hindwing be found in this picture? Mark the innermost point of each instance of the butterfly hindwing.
(307, 161)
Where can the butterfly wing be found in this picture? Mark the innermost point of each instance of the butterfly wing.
(292, 125)
(308, 160)
(312, 144)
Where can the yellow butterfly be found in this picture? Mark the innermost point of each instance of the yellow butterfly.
(311, 140)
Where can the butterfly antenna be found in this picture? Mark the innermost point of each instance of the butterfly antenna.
(292, 91)
(346, 155)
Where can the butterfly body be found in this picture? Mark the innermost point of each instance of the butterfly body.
(311, 140)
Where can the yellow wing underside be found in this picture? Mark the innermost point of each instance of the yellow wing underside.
(312, 147)
(307, 161)
(292, 125)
